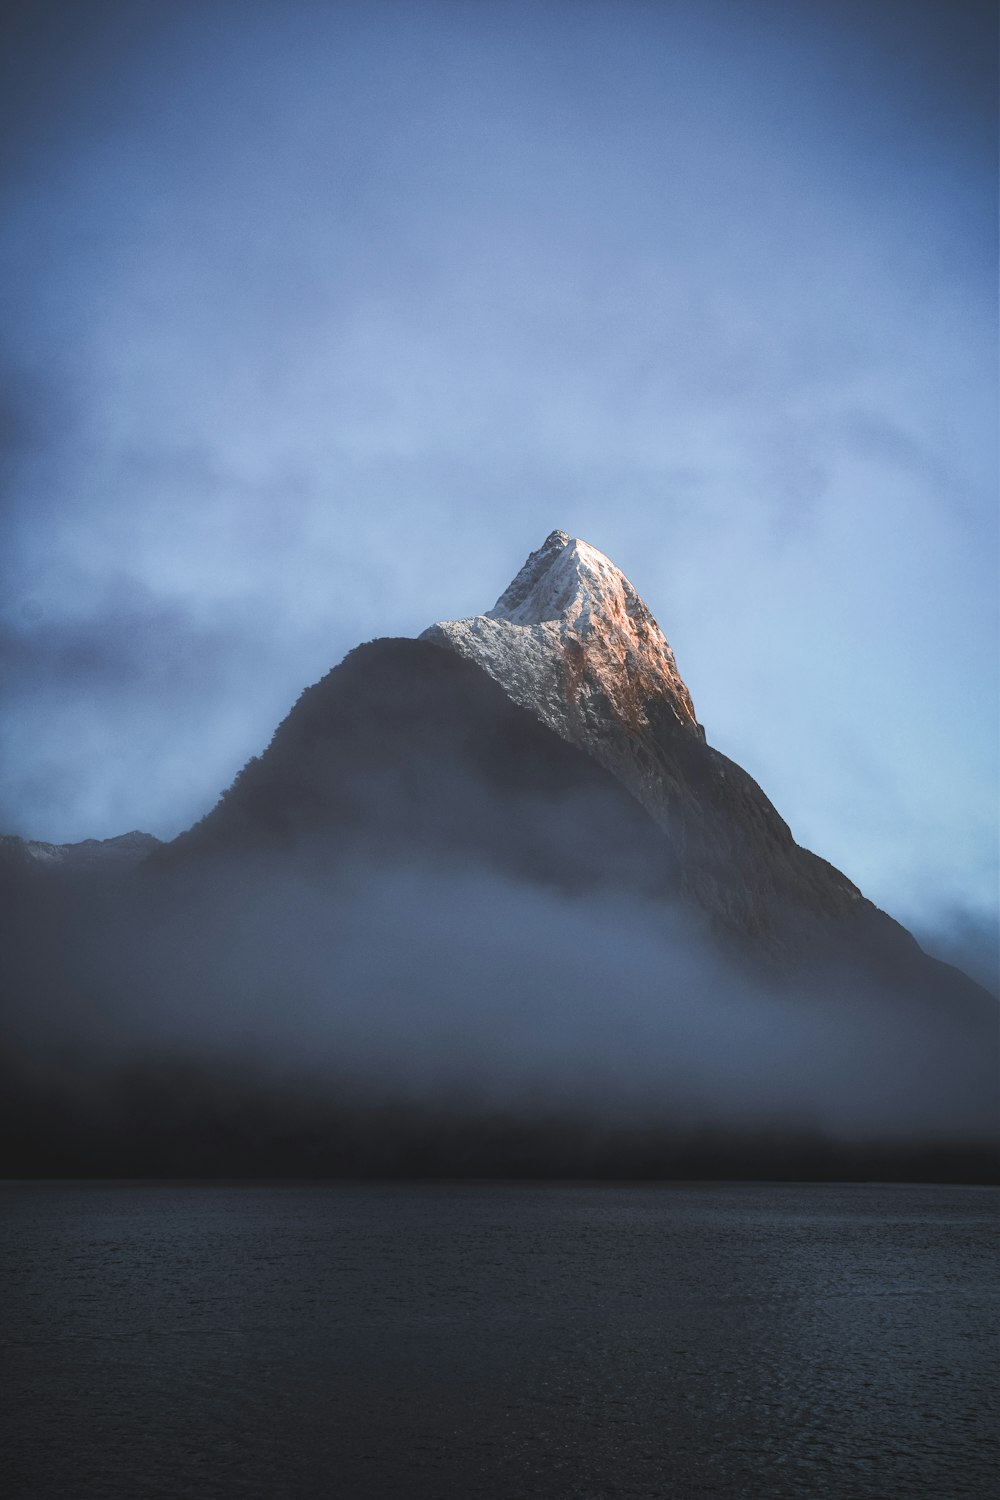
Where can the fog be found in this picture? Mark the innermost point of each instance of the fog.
(252, 1018)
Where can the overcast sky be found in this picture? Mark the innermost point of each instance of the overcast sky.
(319, 317)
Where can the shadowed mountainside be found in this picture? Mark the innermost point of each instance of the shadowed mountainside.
(405, 749)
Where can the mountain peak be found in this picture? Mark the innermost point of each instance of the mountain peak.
(572, 640)
(530, 581)
(569, 582)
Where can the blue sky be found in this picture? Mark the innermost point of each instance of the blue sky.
(319, 317)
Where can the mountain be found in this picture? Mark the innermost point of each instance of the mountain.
(35, 857)
(513, 831)
(553, 739)
(573, 643)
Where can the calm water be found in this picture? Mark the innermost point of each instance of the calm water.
(500, 1341)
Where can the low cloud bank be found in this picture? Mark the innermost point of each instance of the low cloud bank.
(442, 1018)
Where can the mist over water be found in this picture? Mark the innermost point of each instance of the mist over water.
(439, 1016)
(432, 978)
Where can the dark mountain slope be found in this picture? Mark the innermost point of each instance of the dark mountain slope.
(407, 751)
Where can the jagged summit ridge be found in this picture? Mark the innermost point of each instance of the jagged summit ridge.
(571, 639)
(89, 854)
(534, 593)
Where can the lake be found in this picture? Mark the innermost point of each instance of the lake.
(499, 1340)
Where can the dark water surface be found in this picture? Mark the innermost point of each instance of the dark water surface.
(499, 1340)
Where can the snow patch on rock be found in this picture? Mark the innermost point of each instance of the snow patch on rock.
(571, 639)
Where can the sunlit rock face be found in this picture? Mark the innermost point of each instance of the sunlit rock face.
(571, 640)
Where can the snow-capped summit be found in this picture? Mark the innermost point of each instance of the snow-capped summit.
(571, 639)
